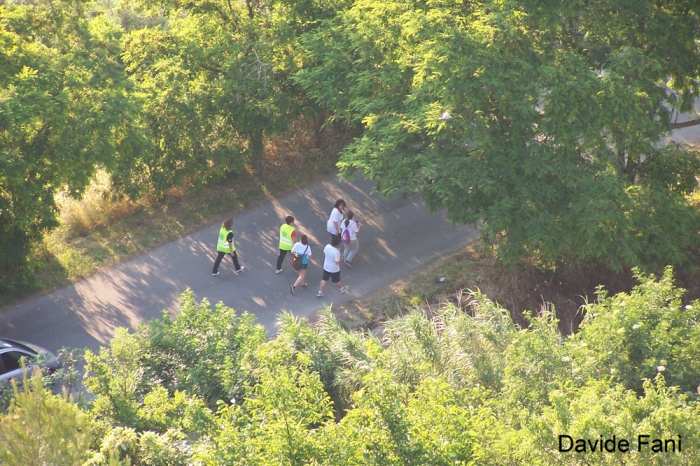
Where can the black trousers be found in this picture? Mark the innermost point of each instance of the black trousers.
(221, 255)
(280, 259)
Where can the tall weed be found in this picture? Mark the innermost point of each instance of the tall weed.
(96, 208)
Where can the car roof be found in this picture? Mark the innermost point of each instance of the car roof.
(6, 344)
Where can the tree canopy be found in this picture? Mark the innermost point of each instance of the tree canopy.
(546, 121)
(61, 101)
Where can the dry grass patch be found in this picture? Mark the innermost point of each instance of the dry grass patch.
(95, 209)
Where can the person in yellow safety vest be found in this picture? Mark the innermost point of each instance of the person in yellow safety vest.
(288, 236)
(225, 246)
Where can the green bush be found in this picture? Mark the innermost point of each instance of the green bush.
(637, 336)
(451, 387)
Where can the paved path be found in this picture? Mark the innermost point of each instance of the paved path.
(398, 237)
(691, 134)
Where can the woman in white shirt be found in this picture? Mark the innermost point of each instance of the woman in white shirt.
(336, 218)
(302, 249)
(331, 267)
(353, 229)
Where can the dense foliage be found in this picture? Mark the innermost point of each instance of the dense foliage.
(546, 120)
(60, 99)
(52, 430)
(451, 387)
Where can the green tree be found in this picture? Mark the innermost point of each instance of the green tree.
(156, 392)
(201, 353)
(41, 428)
(283, 409)
(62, 106)
(601, 408)
(634, 337)
(212, 82)
(543, 120)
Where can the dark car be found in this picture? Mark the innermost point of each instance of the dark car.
(11, 354)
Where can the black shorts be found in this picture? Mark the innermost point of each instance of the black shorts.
(334, 276)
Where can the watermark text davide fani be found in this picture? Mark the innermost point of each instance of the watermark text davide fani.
(642, 443)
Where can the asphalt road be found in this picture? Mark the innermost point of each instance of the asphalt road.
(398, 237)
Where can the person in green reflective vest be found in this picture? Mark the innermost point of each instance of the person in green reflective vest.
(225, 246)
(288, 236)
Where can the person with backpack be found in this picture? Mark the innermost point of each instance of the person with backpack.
(288, 236)
(225, 246)
(349, 238)
(301, 252)
(331, 267)
(336, 218)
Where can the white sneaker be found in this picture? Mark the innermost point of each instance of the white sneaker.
(344, 289)
(319, 294)
(215, 274)
(240, 270)
(278, 271)
(348, 264)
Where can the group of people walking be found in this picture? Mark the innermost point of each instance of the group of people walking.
(342, 228)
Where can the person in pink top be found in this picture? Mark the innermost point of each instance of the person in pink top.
(353, 228)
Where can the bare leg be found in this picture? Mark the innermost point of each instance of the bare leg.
(302, 277)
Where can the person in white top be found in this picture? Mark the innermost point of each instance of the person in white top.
(336, 218)
(331, 266)
(303, 250)
(353, 229)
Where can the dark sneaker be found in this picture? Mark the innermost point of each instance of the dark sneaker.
(303, 287)
(348, 264)
(291, 288)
